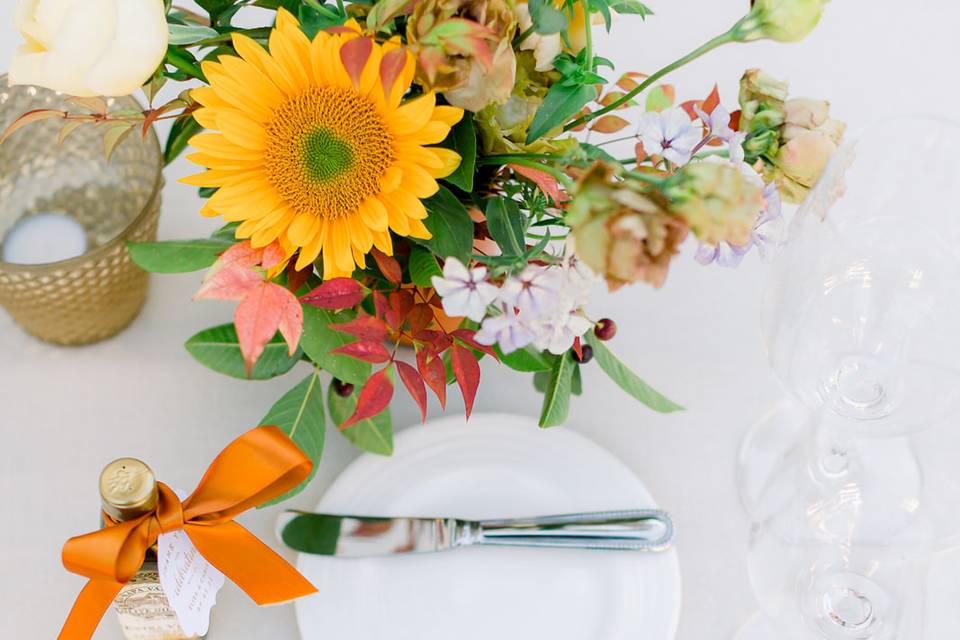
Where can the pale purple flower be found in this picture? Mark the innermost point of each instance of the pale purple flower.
(507, 330)
(670, 134)
(534, 291)
(735, 144)
(766, 233)
(464, 292)
(717, 123)
(557, 333)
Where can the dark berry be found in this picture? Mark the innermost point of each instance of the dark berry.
(587, 354)
(343, 389)
(605, 329)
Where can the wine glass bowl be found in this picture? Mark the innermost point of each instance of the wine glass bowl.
(863, 301)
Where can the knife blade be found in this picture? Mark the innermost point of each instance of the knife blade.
(359, 536)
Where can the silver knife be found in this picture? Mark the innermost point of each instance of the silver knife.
(356, 536)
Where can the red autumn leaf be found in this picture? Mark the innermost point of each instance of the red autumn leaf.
(414, 383)
(354, 55)
(467, 336)
(30, 116)
(434, 374)
(365, 328)
(436, 341)
(420, 317)
(296, 279)
(578, 348)
(239, 255)
(712, 101)
(366, 350)
(233, 283)
(401, 302)
(467, 371)
(374, 398)
(688, 107)
(609, 124)
(273, 254)
(735, 120)
(389, 266)
(338, 293)
(546, 182)
(391, 66)
(380, 304)
(260, 314)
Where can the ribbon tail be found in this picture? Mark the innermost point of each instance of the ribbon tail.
(253, 566)
(84, 618)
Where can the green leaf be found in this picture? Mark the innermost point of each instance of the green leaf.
(373, 434)
(227, 233)
(561, 103)
(312, 533)
(180, 34)
(450, 225)
(313, 21)
(180, 133)
(526, 359)
(176, 256)
(463, 139)
(299, 413)
(422, 266)
(219, 349)
(215, 7)
(546, 18)
(660, 98)
(319, 340)
(594, 152)
(576, 384)
(628, 380)
(631, 7)
(505, 223)
(556, 395)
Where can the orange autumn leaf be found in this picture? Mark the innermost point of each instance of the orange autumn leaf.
(609, 124)
(262, 312)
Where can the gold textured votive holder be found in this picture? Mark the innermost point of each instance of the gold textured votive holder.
(95, 295)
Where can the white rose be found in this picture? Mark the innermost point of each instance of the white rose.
(89, 47)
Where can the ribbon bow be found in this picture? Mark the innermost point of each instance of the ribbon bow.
(256, 467)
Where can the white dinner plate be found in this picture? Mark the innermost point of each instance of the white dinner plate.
(494, 466)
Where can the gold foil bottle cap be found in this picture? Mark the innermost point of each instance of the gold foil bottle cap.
(128, 489)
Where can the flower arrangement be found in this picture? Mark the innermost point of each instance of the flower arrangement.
(409, 186)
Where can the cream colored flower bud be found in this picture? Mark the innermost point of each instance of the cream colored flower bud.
(89, 47)
(782, 20)
(800, 163)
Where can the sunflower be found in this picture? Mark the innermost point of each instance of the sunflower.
(316, 148)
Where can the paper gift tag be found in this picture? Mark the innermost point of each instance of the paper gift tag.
(188, 580)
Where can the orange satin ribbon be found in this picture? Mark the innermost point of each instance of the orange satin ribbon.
(256, 467)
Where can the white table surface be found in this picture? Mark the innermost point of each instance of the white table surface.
(65, 412)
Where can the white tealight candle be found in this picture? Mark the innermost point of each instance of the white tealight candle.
(43, 238)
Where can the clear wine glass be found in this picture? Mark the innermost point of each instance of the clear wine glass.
(860, 321)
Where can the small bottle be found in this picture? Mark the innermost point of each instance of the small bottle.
(128, 489)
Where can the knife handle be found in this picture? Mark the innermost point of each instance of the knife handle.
(628, 530)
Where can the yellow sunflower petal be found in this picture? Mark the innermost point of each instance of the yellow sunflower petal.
(447, 114)
(417, 181)
(240, 129)
(434, 132)
(412, 116)
(418, 230)
(383, 242)
(449, 159)
(206, 117)
(302, 229)
(252, 52)
(229, 89)
(359, 257)
(374, 214)
(253, 79)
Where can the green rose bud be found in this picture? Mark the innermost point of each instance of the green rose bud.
(780, 20)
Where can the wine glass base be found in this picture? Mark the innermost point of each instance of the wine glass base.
(759, 627)
(806, 474)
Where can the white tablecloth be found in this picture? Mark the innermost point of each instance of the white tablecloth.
(65, 412)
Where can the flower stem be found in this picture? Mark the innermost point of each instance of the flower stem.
(724, 38)
(588, 34)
